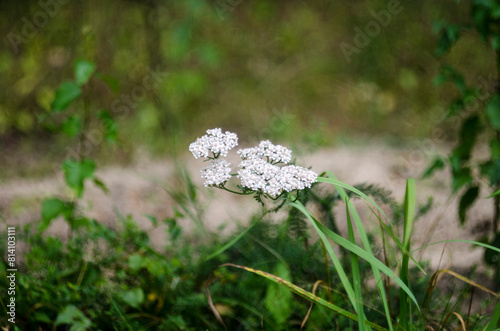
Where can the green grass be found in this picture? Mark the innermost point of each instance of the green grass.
(111, 278)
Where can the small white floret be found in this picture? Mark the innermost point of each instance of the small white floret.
(217, 173)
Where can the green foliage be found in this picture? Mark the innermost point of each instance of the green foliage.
(77, 172)
(278, 299)
(72, 316)
(304, 73)
(65, 95)
(52, 208)
(105, 278)
(83, 71)
(478, 124)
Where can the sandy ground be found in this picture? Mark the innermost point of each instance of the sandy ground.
(139, 190)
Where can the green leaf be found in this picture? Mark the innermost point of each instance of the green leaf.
(409, 217)
(152, 219)
(76, 173)
(493, 111)
(100, 184)
(491, 169)
(495, 317)
(78, 222)
(72, 126)
(494, 194)
(449, 36)
(83, 71)
(495, 42)
(461, 175)
(448, 73)
(74, 317)
(357, 283)
(466, 201)
(42, 317)
(178, 321)
(278, 298)
(134, 298)
(109, 125)
(491, 256)
(65, 95)
(437, 164)
(495, 149)
(113, 83)
(136, 262)
(482, 19)
(52, 208)
(468, 133)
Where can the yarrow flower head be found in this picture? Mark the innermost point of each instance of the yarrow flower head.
(257, 174)
(217, 173)
(264, 169)
(275, 153)
(259, 170)
(216, 142)
(266, 149)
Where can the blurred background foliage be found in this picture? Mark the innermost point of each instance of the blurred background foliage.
(263, 68)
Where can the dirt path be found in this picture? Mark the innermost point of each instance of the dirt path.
(138, 190)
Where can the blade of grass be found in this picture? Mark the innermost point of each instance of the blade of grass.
(477, 243)
(493, 194)
(365, 255)
(466, 280)
(462, 322)
(405, 314)
(493, 323)
(366, 243)
(356, 277)
(303, 293)
(335, 260)
(232, 241)
(212, 308)
(369, 202)
(315, 287)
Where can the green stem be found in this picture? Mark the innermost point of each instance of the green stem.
(235, 192)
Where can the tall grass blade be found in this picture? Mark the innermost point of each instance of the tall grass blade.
(369, 202)
(303, 293)
(465, 280)
(366, 243)
(493, 323)
(335, 260)
(232, 241)
(493, 194)
(315, 287)
(477, 243)
(405, 313)
(460, 319)
(365, 255)
(356, 277)
(212, 308)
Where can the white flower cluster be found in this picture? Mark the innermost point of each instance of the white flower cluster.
(274, 153)
(217, 173)
(215, 141)
(258, 172)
